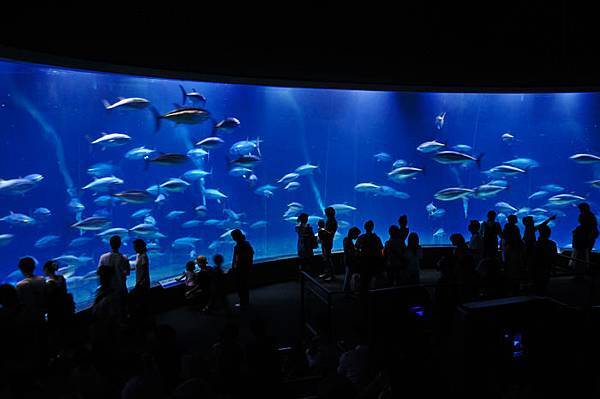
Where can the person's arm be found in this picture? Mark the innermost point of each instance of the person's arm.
(545, 222)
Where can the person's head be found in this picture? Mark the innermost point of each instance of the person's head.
(512, 219)
(491, 215)
(139, 246)
(474, 226)
(321, 224)
(527, 221)
(218, 259)
(545, 232)
(202, 262)
(237, 235)
(303, 218)
(413, 240)
(329, 212)
(394, 232)
(584, 207)
(403, 220)
(369, 226)
(190, 266)
(115, 243)
(353, 233)
(27, 266)
(50, 268)
(457, 239)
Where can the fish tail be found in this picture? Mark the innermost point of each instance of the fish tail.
(183, 93)
(106, 104)
(478, 160)
(157, 118)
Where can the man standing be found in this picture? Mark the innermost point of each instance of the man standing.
(31, 292)
(331, 227)
(243, 257)
(119, 265)
(370, 255)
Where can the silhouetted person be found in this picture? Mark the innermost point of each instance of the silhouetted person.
(60, 303)
(403, 225)
(512, 253)
(529, 239)
(464, 269)
(370, 255)
(490, 230)
(476, 242)
(191, 282)
(545, 255)
(350, 257)
(119, 264)
(307, 242)
(393, 253)
(584, 237)
(218, 296)
(243, 257)
(331, 227)
(324, 240)
(413, 255)
(32, 291)
(142, 266)
(203, 277)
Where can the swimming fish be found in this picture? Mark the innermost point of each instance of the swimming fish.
(430, 146)
(197, 153)
(142, 213)
(402, 173)
(386, 191)
(538, 195)
(18, 219)
(174, 214)
(306, 169)
(181, 115)
(75, 206)
(252, 180)
(201, 210)
(240, 171)
(214, 194)
(144, 230)
(103, 184)
(288, 178)
(291, 212)
(210, 142)
(111, 140)
(299, 206)
(487, 191)
(175, 185)
(341, 209)
(167, 159)
(439, 120)
(462, 148)
(195, 174)
(184, 242)
(193, 96)
(226, 125)
(552, 188)
(523, 163)
(80, 242)
(383, 157)
(564, 199)
(106, 200)
(505, 170)
(595, 183)
(191, 224)
(398, 163)
(266, 190)
(131, 102)
(47, 241)
(101, 169)
(5, 239)
(115, 231)
(261, 224)
(292, 186)
(439, 233)
(93, 223)
(507, 137)
(134, 196)
(139, 153)
(248, 160)
(72, 260)
(505, 207)
(366, 188)
(231, 214)
(434, 212)
(245, 147)
(16, 186)
(585, 158)
(42, 213)
(452, 193)
(455, 157)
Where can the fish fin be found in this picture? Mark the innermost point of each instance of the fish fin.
(121, 98)
(183, 94)
(106, 104)
(157, 118)
(258, 146)
(478, 160)
(177, 106)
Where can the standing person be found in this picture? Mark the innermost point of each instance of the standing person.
(403, 224)
(141, 292)
(393, 254)
(307, 242)
(331, 227)
(120, 269)
(490, 230)
(350, 256)
(463, 268)
(218, 295)
(370, 255)
(529, 240)
(203, 277)
(512, 253)
(545, 254)
(414, 254)
(584, 237)
(243, 257)
(32, 292)
(60, 302)
(475, 243)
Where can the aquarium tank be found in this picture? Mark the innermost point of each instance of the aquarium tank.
(86, 155)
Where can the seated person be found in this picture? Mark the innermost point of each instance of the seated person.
(191, 282)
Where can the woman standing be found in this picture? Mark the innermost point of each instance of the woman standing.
(414, 254)
(307, 242)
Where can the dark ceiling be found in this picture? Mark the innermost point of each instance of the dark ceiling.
(506, 44)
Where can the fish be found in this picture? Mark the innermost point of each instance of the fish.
(245, 147)
(261, 224)
(168, 159)
(106, 200)
(455, 157)
(175, 185)
(452, 193)
(72, 260)
(102, 213)
(288, 178)
(523, 163)
(538, 211)
(487, 191)
(42, 213)
(291, 212)
(507, 137)
(212, 222)
(248, 160)
(585, 158)
(181, 115)
(5, 239)
(115, 231)
(16, 186)
(80, 242)
(154, 189)
(191, 224)
(34, 177)
(252, 180)
(438, 213)
(18, 219)
(47, 241)
(214, 194)
(185, 242)
(440, 120)
(505, 207)
(103, 184)
(595, 183)
(402, 173)
(93, 223)
(552, 188)
(75, 206)
(398, 163)
(226, 125)
(134, 196)
(131, 103)
(430, 146)
(386, 191)
(142, 213)
(383, 157)
(523, 211)
(367, 188)
(240, 171)
(195, 174)
(102, 169)
(299, 206)
(149, 219)
(498, 182)
(197, 153)
(111, 140)
(231, 214)
(210, 142)
(291, 219)
(201, 210)
(501, 217)
(292, 186)
(462, 148)
(139, 153)
(306, 169)
(538, 195)
(266, 188)
(439, 233)
(564, 199)
(174, 214)
(505, 170)
(193, 96)
(340, 209)
(144, 229)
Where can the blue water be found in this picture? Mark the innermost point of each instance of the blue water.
(49, 115)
